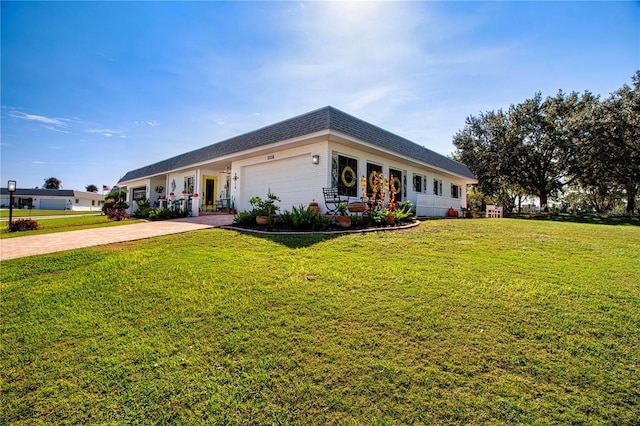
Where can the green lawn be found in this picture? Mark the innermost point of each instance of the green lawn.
(71, 223)
(22, 213)
(481, 321)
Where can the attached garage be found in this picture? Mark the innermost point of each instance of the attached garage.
(288, 178)
(49, 204)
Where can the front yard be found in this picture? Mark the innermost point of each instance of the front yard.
(455, 321)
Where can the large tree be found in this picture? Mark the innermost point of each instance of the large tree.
(607, 160)
(542, 143)
(91, 188)
(624, 111)
(482, 146)
(524, 151)
(52, 183)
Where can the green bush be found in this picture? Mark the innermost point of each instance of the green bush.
(142, 213)
(305, 219)
(244, 218)
(404, 212)
(162, 213)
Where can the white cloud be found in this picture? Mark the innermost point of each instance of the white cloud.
(39, 118)
(105, 132)
(152, 123)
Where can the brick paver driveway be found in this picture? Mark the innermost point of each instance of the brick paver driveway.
(12, 248)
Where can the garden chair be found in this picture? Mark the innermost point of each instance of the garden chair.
(332, 199)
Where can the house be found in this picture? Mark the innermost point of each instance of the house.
(295, 159)
(52, 199)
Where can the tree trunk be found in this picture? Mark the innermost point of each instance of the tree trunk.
(631, 191)
(543, 201)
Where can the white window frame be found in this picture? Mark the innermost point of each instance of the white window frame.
(437, 187)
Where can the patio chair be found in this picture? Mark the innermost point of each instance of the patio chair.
(332, 199)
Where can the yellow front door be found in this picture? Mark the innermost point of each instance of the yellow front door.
(209, 191)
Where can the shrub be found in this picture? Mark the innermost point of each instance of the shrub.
(116, 214)
(23, 225)
(114, 200)
(142, 213)
(244, 218)
(162, 213)
(304, 218)
(404, 212)
(266, 207)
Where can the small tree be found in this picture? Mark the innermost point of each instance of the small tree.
(52, 183)
(115, 205)
(91, 188)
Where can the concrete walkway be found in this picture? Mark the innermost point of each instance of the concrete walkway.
(12, 248)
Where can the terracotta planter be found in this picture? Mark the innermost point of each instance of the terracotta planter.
(343, 221)
(314, 206)
(390, 219)
(357, 207)
(262, 220)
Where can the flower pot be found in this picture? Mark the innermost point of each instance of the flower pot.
(357, 207)
(262, 220)
(390, 219)
(313, 206)
(343, 221)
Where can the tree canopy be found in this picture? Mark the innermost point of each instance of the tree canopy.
(91, 188)
(52, 183)
(542, 147)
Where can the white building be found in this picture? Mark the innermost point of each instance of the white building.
(52, 199)
(295, 159)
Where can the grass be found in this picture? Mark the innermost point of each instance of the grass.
(72, 223)
(22, 213)
(454, 322)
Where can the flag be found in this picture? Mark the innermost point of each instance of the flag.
(106, 188)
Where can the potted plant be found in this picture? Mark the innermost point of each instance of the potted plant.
(343, 220)
(264, 210)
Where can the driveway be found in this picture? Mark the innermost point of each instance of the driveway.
(12, 248)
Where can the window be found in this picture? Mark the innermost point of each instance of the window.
(437, 187)
(347, 176)
(455, 191)
(370, 169)
(417, 183)
(396, 175)
(189, 184)
(139, 193)
(77, 201)
(93, 202)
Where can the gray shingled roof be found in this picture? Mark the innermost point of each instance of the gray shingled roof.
(327, 118)
(42, 192)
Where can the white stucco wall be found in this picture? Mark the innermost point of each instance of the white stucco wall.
(408, 169)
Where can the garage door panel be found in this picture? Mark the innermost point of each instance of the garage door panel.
(287, 178)
(53, 204)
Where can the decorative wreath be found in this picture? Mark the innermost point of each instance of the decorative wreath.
(351, 177)
(159, 189)
(398, 185)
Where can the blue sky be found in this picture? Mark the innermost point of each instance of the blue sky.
(91, 90)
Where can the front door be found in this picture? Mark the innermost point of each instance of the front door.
(210, 189)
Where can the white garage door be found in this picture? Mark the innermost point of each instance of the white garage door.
(289, 179)
(53, 204)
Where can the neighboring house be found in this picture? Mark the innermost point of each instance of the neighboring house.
(295, 159)
(52, 199)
